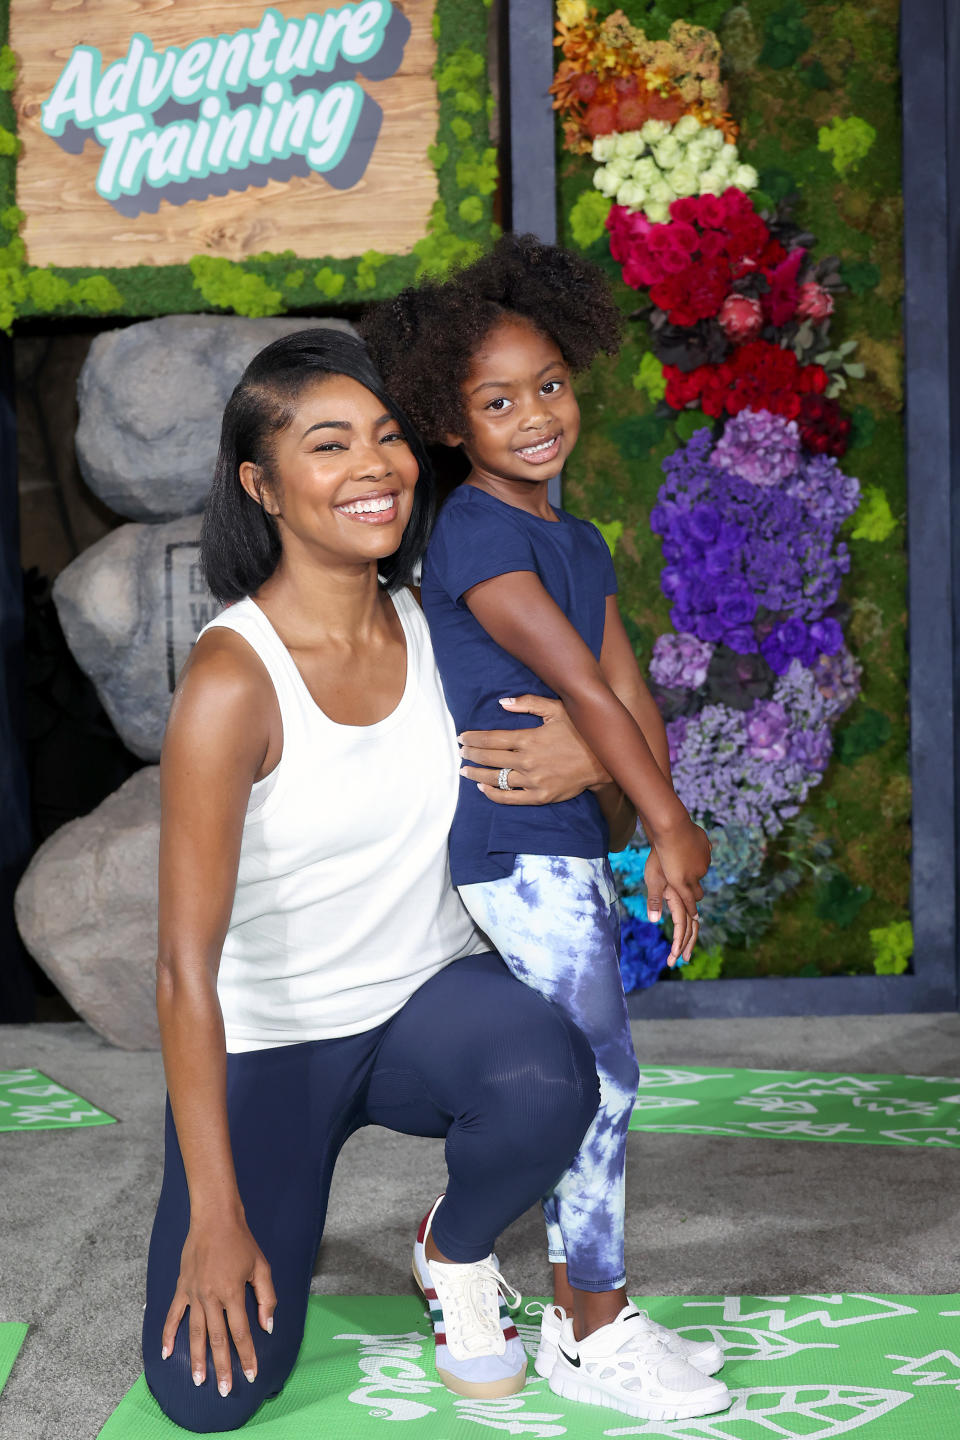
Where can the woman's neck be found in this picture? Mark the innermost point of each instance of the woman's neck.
(309, 603)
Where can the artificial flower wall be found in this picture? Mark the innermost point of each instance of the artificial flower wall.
(738, 179)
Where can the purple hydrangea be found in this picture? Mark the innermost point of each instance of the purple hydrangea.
(768, 728)
(680, 662)
(824, 491)
(761, 448)
(837, 677)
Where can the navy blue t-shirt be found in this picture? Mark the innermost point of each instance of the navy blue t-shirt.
(477, 537)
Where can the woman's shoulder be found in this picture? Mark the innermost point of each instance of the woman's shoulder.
(224, 678)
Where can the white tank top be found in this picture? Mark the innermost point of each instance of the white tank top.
(344, 905)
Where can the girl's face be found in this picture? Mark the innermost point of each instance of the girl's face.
(342, 478)
(522, 415)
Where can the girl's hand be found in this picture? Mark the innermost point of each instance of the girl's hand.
(220, 1258)
(546, 763)
(679, 860)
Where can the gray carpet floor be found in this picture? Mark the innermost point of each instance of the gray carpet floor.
(704, 1215)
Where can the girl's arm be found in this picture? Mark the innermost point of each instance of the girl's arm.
(221, 727)
(519, 615)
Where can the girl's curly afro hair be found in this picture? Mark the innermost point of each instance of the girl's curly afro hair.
(423, 341)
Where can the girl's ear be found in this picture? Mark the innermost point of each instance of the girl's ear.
(252, 480)
(452, 440)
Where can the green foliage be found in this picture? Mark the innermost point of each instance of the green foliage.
(95, 292)
(839, 900)
(9, 144)
(47, 290)
(688, 422)
(892, 947)
(477, 171)
(370, 263)
(227, 286)
(611, 530)
(815, 76)
(461, 128)
(785, 36)
(461, 71)
(704, 964)
(8, 68)
(438, 154)
(859, 275)
(778, 184)
(294, 280)
(12, 218)
(442, 249)
(868, 732)
(471, 209)
(329, 282)
(588, 218)
(863, 427)
(848, 141)
(650, 378)
(636, 435)
(874, 518)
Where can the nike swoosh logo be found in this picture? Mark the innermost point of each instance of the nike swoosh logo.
(569, 1358)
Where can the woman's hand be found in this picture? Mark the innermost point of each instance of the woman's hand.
(546, 763)
(220, 1258)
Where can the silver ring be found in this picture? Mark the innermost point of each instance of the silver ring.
(696, 920)
(502, 778)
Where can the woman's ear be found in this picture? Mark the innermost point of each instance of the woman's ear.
(252, 480)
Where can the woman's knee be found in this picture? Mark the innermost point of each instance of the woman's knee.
(201, 1409)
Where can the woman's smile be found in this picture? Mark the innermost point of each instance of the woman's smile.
(376, 508)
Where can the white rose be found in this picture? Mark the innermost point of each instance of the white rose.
(662, 192)
(629, 144)
(745, 177)
(698, 156)
(711, 182)
(653, 131)
(667, 154)
(656, 212)
(631, 194)
(606, 183)
(683, 179)
(713, 138)
(620, 166)
(604, 148)
(646, 171)
(686, 127)
(726, 160)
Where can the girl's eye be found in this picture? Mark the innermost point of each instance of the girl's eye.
(551, 386)
(498, 404)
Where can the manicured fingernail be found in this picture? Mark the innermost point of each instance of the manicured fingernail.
(508, 701)
(270, 1326)
(198, 1377)
(224, 1387)
(164, 1352)
(251, 1375)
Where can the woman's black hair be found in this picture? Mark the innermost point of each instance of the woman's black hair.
(424, 341)
(240, 545)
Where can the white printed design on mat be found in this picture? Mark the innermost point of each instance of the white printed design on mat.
(895, 1108)
(782, 1104)
(749, 1342)
(817, 1085)
(658, 1077)
(661, 1102)
(920, 1373)
(388, 1363)
(839, 1409)
(737, 1309)
(509, 1414)
(58, 1112)
(937, 1135)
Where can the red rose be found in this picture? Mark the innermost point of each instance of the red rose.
(683, 388)
(741, 317)
(711, 212)
(813, 302)
(811, 379)
(823, 429)
(686, 208)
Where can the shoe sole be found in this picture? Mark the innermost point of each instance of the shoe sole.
(476, 1389)
(568, 1387)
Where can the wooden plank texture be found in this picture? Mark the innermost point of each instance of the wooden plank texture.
(68, 223)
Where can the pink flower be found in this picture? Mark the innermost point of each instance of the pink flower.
(741, 318)
(781, 299)
(814, 303)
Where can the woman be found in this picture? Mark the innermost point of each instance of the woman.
(316, 971)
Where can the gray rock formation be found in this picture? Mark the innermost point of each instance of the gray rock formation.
(151, 399)
(131, 607)
(87, 910)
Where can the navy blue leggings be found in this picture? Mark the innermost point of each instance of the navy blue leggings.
(473, 1055)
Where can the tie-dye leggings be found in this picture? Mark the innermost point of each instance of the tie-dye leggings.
(555, 922)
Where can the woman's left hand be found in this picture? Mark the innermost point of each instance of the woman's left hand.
(544, 763)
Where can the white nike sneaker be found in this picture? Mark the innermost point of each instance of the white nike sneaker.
(622, 1366)
(705, 1355)
(479, 1353)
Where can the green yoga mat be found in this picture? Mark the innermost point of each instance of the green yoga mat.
(800, 1105)
(801, 1367)
(32, 1101)
(12, 1337)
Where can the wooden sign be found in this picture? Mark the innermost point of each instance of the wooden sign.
(155, 130)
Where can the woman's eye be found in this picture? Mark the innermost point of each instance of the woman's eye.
(394, 435)
(330, 445)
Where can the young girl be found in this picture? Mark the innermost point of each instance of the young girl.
(520, 597)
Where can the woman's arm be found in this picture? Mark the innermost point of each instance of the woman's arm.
(219, 736)
(517, 612)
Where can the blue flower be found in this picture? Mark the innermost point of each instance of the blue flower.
(643, 953)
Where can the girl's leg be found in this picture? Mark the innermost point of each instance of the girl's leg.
(290, 1110)
(556, 922)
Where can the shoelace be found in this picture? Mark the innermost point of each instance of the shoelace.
(470, 1298)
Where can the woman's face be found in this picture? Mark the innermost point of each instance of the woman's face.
(522, 415)
(342, 478)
